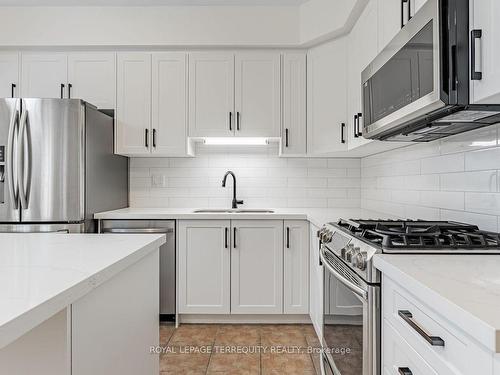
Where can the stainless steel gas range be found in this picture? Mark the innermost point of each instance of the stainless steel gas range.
(352, 288)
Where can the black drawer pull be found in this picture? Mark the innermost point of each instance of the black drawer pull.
(342, 128)
(286, 137)
(225, 237)
(408, 318)
(404, 371)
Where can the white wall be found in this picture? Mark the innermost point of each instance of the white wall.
(263, 180)
(149, 26)
(457, 178)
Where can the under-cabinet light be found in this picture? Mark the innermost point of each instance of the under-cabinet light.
(236, 141)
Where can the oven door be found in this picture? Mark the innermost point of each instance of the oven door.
(351, 320)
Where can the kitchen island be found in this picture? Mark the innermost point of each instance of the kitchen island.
(78, 304)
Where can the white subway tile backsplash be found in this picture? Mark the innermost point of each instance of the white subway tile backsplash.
(263, 180)
(485, 222)
(443, 164)
(488, 203)
(483, 159)
(485, 181)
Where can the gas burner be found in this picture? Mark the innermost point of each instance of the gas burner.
(421, 235)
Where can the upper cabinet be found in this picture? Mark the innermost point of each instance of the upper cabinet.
(362, 49)
(257, 94)
(133, 103)
(234, 94)
(293, 131)
(326, 99)
(390, 20)
(151, 105)
(91, 77)
(211, 94)
(9, 75)
(485, 37)
(44, 75)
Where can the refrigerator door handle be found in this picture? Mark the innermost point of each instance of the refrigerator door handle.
(22, 165)
(13, 189)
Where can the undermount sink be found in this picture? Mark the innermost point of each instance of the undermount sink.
(233, 211)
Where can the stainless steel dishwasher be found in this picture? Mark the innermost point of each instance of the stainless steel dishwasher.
(167, 255)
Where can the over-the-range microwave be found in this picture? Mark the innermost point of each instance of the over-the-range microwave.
(417, 88)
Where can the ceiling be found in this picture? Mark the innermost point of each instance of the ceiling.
(147, 2)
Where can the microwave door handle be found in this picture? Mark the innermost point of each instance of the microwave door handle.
(360, 292)
(474, 36)
(13, 191)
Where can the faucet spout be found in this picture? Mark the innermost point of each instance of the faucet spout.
(235, 201)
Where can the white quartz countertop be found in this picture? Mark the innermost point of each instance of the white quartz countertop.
(465, 289)
(41, 274)
(316, 216)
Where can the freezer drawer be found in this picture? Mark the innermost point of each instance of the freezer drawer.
(167, 255)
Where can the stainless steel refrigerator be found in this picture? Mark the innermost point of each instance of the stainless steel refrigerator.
(57, 166)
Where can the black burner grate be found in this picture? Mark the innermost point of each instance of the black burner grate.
(420, 234)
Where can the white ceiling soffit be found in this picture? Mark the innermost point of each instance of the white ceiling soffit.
(149, 2)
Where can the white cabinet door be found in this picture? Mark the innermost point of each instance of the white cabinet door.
(389, 21)
(203, 276)
(133, 103)
(363, 48)
(9, 75)
(485, 16)
(257, 94)
(296, 267)
(92, 77)
(416, 5)
(211, 94)
(44, 75)
(316, 283)
(294, 129)
(169, 109)
(257, 267)
(326, 100)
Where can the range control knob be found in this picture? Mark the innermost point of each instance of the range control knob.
(359, 260)
(327, 237)
(349, 253)
(354, 253)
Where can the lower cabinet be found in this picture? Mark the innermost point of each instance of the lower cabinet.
(242, 267)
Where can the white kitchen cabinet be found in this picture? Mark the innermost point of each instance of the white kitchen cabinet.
(484, 18)
(257, 267)
(389, 21)
(296, 267)
(44, 75)
(92, 77)
(316, 283)
(362, 49)
(327, 98)
(133, 103)
(211, 94)
(203, 253)
(169, 104)
(257, 94)
(416, 5)
(294, 124)
(9, 75)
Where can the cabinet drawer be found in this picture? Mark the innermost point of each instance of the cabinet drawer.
(398, 354)
(457, 354)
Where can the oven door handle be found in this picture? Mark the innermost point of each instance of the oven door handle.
(360, 292)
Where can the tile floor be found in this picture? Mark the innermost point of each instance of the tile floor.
(206, 349)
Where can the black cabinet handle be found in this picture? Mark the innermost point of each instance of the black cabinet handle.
(354, 126)
(69, 90)
(287, 237)
(357, 124)
(12, 89)
(230, 121)
(146, 138)
(474, 36)
(237, 121)
(409, 10)
(225, 237)
(154, 138)
(403, 2)
(286, 137)
(234, 237)
(408, 318)
(342, 129)
(404, 371)
(62, 90)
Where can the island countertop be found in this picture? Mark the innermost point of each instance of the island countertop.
(41, 274)
(463, 288)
